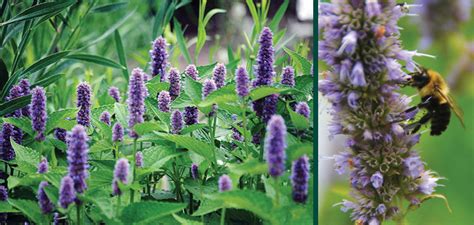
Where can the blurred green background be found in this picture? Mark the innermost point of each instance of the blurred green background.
(451, 155)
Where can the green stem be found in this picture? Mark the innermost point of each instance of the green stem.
(119, 203)
(277, 192)
(132, 192)
(78, 214)
(244, 127)
(223, 216)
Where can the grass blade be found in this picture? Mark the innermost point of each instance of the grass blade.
(109, 7)
(39, 10)
(181, 41)
(279, 15)
(121, 53)
(46, 61)
(95, 59)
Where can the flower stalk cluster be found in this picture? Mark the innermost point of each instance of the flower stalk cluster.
(360, 43)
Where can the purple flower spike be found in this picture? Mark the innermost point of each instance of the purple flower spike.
(164, 101)
(358, 76)
(175, 83)
(176, 122)
(192, 71)
(38, 112)
(15, 92)
(25, 90)
(242, 82)
(275, 145)
(3, 193)
(225, 183)
(44, 203)
(288, 76)
(269, 106)
(117, 132)
(218, 75)
(105, 118)
(84, 104)
(77, 157)
(159, 58)
(300, 179)
(264, 72)
(194, 171)
(43, 166)
(120, 175)
(302, 108)
(208, 87)
(6, 152)
(139, 159)
(114, 93)
(136, 100)
(60, 134)
(67, 195)
(191, 114)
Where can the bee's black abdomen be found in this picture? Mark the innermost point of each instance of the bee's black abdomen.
(440, 119)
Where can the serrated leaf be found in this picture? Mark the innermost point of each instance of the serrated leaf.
(96, 60)
(57, 116)
(221, 95)
(148, 211)
(184, 221)
(27, 158)
(193, 89)
(100, 146)
(5, 207)
(297, 150)
(207, 206)
(252, 167)
(302, 61)
(265, 91)
(253, 201)
(148, 127)
(29, 208)
(205, 70)
(156, 87)
(193, 127)
(121, 114)
(192, 144)
(156, 157)
(299, 121)
(199, 190)
(102, 200)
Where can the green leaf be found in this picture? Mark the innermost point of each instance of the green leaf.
(27, 158)
(156, 87)
(265, 91)
(148, 127)
(56, 117)
(253, 12)
(252, 167)
(304, 84)
(102, 200)
(156, 157)
(193, 127)
(24, 123)
(121, 53)
(200, 190)
(302, 61)
(121, 114)
(96, 59)
(208, 206)
(253, 201)
(157, 24)
(109, 7)
(12, 105)
(279, 15)
(181, 41)
(5, 207)
(29, 208)
(47, 8)
(221, 95)
(100, 146)
(205, 70)
(193, 89)
(46, 61)
(299, 121)
(151, 105)
(199, 147)
(184, 221)
(148, 211)
(297, 150)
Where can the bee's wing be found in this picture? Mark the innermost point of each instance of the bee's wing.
(452, 104)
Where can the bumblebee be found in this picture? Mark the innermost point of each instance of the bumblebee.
(436, 99)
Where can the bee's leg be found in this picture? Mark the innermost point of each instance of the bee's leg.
(414, 127)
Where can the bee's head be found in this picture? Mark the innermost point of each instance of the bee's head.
(419, 79)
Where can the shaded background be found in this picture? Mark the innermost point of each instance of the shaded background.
(451, 154)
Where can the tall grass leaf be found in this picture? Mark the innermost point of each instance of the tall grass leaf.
(121, 53)
(39, 10)
(46, 61)
(169, 14)
(181, 41)
(210, 14)
(279, 15)
(157, 24)
(109, 7)
(182, 3)
(254, 13)
(95, 59)
(48, 79)
(12, 105)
